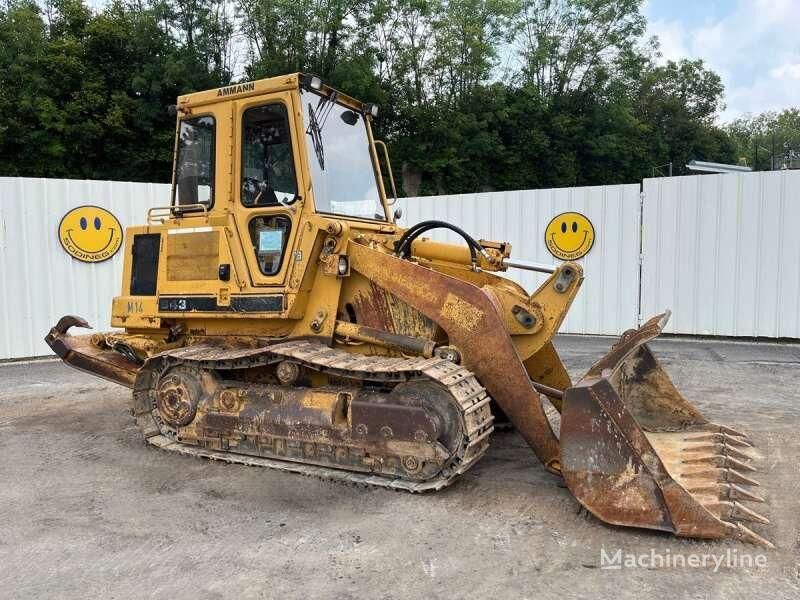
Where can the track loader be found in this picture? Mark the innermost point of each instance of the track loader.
(275, 314)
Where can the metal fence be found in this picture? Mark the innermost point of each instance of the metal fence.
(722, 251)
(39, 282)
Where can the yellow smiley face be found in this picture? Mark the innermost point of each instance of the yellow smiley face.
(569, 235)
(90, 233)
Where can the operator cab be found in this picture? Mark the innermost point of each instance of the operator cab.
(313, 137)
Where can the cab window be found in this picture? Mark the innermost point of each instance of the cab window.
(268, 176)
(342, 174)
(269, 234)
(194, 170)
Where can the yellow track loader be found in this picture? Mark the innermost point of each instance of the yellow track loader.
(275, 314)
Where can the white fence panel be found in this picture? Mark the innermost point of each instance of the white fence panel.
(608, 301)
(39, 281)
(723, 251)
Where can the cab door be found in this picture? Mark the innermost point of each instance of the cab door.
(193, 264)
(267, 185)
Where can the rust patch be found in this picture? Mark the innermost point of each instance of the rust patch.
(81, 353)
(461, 312)
(487, 349)
(409, 431)
(372, 309)
(382, 310)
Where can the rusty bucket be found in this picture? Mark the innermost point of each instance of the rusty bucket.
(635, 452)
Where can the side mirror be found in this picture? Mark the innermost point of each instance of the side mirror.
(350, 117)
(398, 214)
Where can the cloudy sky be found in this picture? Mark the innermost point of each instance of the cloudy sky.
(754, 45)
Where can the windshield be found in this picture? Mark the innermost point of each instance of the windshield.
(342, 175)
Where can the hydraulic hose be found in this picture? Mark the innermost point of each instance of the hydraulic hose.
(403, 245)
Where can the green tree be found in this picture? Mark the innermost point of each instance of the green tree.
(286, 36)
(573, 45)
(767, 141)
(85, 95)
(678, 103)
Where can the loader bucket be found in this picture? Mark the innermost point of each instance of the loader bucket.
(635, 452)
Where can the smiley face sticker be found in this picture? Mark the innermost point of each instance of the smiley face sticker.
(569, 235)
(90, 234)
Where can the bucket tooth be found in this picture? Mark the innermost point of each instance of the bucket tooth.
(743, 513)
(719, 438)
(719, 460)
(747, 536)
(733, 476)
(711, 475)
(719, 449)
(733, 510)
(732, 432)
(735, 492)
(724, 491)
(731, 440)
(705, 490)
(732, 463)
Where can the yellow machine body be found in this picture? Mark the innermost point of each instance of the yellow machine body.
(276, 314)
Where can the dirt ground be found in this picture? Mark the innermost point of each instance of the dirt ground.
(87, 510)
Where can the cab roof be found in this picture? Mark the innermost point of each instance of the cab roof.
(258, 87)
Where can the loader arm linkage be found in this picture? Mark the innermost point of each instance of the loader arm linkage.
(473, 325)
(670, 470)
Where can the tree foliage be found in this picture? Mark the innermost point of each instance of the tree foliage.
(767, 141)
(84, 95)
(574, 45)
(474, 94)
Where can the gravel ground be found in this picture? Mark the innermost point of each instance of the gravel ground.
(87, 510)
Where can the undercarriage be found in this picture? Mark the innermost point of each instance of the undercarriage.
(417, 423)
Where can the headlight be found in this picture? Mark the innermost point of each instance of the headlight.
(344, 266)
(311, 82)
(371, 109)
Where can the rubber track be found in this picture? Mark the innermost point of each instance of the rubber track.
(468, 395)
